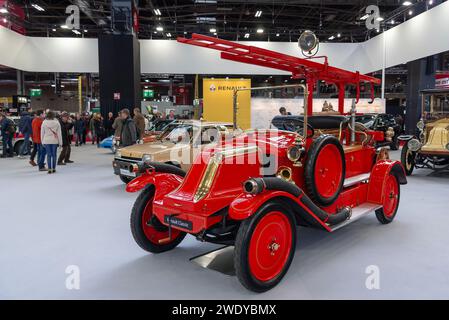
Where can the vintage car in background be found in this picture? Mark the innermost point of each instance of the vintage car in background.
(377, 122)
(156, 128)
(170, 147)
(429, 148)
(18, 138)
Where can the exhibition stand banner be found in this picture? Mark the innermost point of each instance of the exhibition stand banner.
(217, 102)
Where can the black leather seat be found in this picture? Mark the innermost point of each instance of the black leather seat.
(291, 123)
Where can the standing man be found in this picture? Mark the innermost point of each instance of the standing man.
(66, 125)
(79, 130)
(139, 120)
(8, 129)
(26, 130)
(117, 126)
(128, 135)
(36, 126)
(107, 124)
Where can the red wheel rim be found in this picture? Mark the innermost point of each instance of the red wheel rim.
(270, 246)
(150, 231)
(328, 171)
(391, 196)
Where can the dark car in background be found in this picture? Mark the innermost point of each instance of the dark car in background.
(385, 123)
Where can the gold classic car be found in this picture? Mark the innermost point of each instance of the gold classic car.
(430, 148)
(177, 145)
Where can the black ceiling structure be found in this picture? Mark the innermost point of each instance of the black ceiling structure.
(336, 20)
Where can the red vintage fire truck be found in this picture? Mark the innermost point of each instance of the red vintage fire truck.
(252, 191)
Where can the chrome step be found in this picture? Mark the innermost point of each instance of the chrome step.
(356, 179)
(357, 213)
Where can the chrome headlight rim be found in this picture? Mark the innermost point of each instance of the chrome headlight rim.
(294, 153)
(147, 158)
(447, 147)
(414, 145)
(420, 125)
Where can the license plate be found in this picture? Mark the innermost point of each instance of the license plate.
(125, 172)
(175, 222)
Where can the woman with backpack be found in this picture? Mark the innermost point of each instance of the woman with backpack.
(51, 137)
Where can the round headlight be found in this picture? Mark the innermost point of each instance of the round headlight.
(447, 146)
(118, 154)
(420, 125)
(294, 153)
(147, 158)
(414, 145)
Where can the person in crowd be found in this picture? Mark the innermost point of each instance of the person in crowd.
(51, 137)
(36, 126)
(72, 130)
(8, 129)
(171, 115)
(139, 120)
(98, 128)
(86, 127)
(117, 126)
(107, 124)
(34, 151)
(26, 130)
(128, 134)
(93, 134)
(284, 112)
(79, 127)
(66, 125)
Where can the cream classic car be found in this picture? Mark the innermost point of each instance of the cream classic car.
(177, 145)
(430, 148)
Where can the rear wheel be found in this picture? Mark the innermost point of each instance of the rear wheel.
(391, 196)
(17, 147)
(408, 158)
(265, 246)
(149, 233)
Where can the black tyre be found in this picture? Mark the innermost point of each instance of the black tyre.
(325, 170)
(394, 144)
(147, 230)
(408, 159)
(265, 246)
(17, 147)
(392, 195)
(125, 179)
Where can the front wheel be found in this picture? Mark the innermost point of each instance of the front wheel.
(391, 196)
(125, 179)
(149, 233)
(408, 159)
(265, 246)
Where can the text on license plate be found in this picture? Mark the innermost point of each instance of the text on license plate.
(125, 172)
(178, 222)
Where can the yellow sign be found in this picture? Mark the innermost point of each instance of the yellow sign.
(217, 101)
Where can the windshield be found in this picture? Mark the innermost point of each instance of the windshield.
(365, 119)
(160, 125)
(177, 133)
(436, 106)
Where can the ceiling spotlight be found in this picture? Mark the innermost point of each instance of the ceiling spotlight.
(64, 26)
(339, 35)
(213, 30)
(157, 12)
(258, 13)
(147, 80)
(85, 30)
(159, 28)
(246, 36)
(54, 30)
(3, 10)
(380, 19)
(430, 2)
(366, 16)
(392, 21)
(168, 34)
(410, 12)
(37, 7)
(407, 3)
(331, 38)
(260, 30)
(277, 34)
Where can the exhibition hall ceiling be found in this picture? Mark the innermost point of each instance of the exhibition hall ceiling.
(336, 20)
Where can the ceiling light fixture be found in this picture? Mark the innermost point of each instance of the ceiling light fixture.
(258, 13)
(157, 12)
(37, 7)
(277, 34)
(380, 19)
(430, 2)
(54, 30)
(246, 36)
(159, 28)
(407, 3)
(410, 12)
(331, 38)
(339, 35)
(64, 26)
(260, 30)
(213, 30)
(168, 34)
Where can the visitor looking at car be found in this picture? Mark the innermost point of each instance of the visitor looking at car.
(117, 126)
(98, 128)
(26, 130)
(93, 134)
(79, 127)
(128, 134)
(107, 124)
(8, 129)
(139, 120)
(51, 137)
(66, 125)
(36, 126)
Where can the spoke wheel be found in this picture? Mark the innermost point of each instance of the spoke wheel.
(265, 247)
(147, 230)
(408, 159)
(391, 196)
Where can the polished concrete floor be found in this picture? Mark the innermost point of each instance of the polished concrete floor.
(80, 217)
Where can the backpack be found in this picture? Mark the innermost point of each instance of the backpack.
(11, 128)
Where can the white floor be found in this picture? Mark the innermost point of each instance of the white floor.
(80, 216)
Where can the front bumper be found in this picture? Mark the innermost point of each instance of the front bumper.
(122, 167)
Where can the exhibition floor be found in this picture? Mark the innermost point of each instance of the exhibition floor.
(80, 216)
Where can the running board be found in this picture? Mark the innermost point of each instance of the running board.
(357, 213)
(356, 179)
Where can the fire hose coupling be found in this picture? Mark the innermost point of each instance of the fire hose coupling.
(258, 185)
(159, 167)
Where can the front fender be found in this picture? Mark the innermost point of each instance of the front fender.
(379, 174)
(163, 182)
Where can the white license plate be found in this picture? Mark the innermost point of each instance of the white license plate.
(125, 172)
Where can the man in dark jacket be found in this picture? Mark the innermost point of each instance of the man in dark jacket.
(129, 131)
(139, 120)
(79, 130)
(26, 130)
(66, 126)
(107, 124)
(7, 128)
